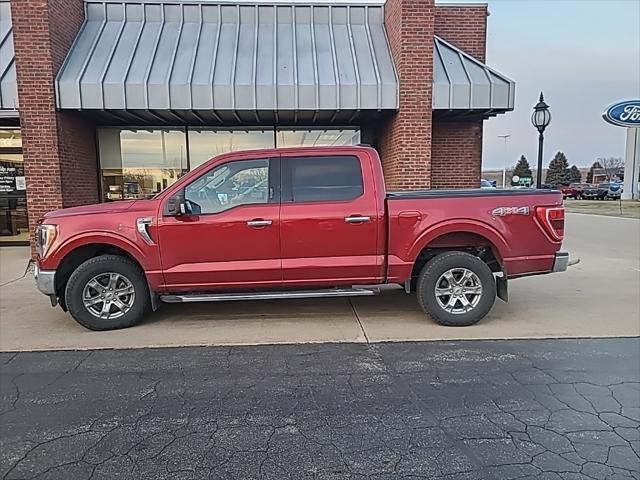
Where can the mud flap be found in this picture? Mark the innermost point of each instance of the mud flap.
(501, 288)
(155, 300)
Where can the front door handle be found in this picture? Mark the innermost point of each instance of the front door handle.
(259, 223)
(356, 219)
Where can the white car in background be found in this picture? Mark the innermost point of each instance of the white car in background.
(486, 184)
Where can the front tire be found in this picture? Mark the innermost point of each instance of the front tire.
(107, 293)
(456, 289)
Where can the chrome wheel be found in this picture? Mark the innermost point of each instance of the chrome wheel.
(458, 290)
(108, 295)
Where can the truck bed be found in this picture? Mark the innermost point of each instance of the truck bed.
(504, 220)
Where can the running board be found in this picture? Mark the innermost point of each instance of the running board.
(223, 297)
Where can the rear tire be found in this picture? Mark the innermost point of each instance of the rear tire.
(469, 281)
(107, 292)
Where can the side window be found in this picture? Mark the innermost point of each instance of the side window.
(229, 185)
(323, 179)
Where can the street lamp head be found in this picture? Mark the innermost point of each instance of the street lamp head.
(540, 118)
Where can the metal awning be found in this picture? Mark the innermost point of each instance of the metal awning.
(8, 85)
(224, 60)
(462, 84)
(196, 61)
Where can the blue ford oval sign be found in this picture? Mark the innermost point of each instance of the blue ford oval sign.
(625, 114)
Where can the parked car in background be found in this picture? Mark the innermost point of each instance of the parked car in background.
(296, 223)
(486, 184)
(588, 192)
(609, 191)
(570, 191)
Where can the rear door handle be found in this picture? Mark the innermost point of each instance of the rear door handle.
(356, 219)
(259, 223)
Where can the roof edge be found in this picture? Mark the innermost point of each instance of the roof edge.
(355, 3)
(436, 38)
(462, 4)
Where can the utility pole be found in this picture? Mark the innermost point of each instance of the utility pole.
(505, 137)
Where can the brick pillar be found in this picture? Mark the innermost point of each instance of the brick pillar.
(58, 147)
(457, 146)
(405, 142)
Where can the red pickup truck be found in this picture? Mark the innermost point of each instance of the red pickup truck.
(295, 223)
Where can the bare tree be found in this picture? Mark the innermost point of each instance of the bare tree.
(611, 166)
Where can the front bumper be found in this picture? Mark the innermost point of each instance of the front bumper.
(45, 281)
(561, 262)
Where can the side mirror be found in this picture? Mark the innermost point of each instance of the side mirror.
(176, 206)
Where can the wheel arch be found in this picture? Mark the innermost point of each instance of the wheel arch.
(472, 237)
(77, 254)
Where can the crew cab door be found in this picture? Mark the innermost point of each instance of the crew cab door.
(329, 221)
(228, 235)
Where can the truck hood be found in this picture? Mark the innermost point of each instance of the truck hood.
(111, 207)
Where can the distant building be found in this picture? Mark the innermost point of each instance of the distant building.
(600, 175)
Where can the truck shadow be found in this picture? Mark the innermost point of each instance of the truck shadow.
(392, 303)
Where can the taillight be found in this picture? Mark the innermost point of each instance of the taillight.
(552, 220)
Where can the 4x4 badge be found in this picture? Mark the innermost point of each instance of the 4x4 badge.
(504, 211)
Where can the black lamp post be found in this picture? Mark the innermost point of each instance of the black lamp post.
(540, 118)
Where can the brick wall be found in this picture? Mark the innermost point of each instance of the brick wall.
(456, 154)
(59, 148)
(463, 26)
(405, 141)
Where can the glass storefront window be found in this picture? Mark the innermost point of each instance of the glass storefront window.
(206, 144)
(315, 137)
(140, 163)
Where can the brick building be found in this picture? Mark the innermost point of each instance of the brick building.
(108, 99)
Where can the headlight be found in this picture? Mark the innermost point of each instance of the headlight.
(45, 236)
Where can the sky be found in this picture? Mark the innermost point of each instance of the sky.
(583, 54)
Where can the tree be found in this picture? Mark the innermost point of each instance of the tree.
(611, 166)
(596, 165)
(522, 168)
(558, 172)
(574, 174)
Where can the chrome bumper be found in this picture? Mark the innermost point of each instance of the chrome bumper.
(561, 262)
(45, 281)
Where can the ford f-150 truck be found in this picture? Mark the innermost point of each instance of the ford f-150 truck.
(295, 223)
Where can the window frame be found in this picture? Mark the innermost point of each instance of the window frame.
(286, 173)
(273, 185)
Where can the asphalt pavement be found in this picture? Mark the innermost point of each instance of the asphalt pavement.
(543, 409)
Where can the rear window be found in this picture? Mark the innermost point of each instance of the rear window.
(313, 179)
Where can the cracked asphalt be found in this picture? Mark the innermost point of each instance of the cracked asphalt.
(544, 409)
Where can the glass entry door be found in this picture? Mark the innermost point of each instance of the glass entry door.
(14, 223)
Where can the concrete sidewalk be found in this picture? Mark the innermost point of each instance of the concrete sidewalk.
(597, 298)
